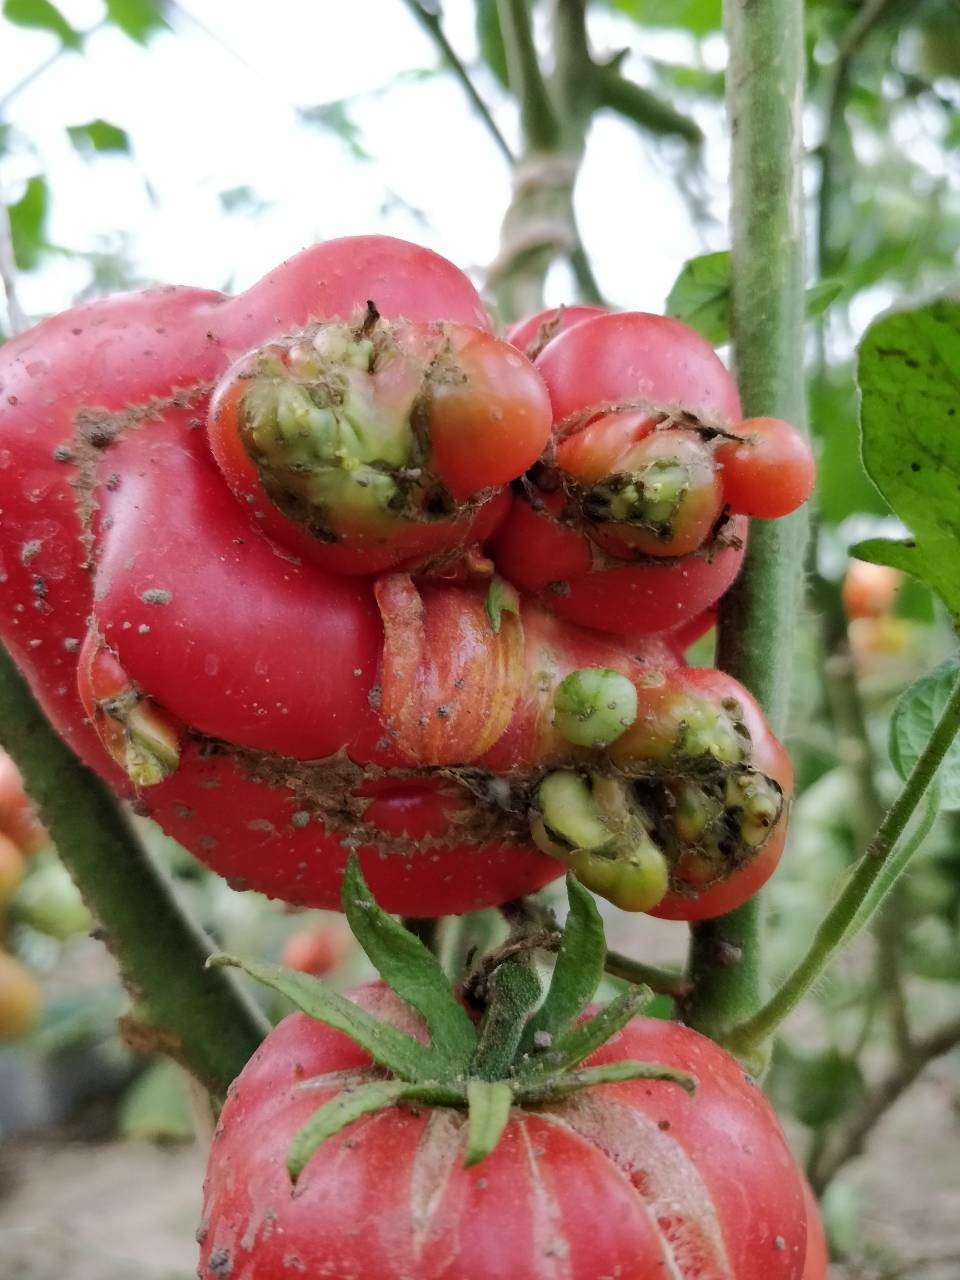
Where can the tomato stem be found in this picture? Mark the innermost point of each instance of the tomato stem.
(856, 904)
(200, 1016)
(757, 617)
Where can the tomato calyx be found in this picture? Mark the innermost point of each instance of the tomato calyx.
(513, 1051)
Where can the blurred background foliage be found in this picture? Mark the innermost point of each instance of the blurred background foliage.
(600, 189)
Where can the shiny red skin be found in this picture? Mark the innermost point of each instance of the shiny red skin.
(771, 473)
(556, 563)
(602, 362)
(636, 1180)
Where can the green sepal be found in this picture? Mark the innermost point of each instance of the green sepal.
(586, 1037)
(577, 973)
(350, 1105)
(395, 1050)
(610, 1073)
(489, 1103)
(409, 968)
(501, 598)
(514, 989)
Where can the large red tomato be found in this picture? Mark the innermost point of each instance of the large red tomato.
(634, 1180)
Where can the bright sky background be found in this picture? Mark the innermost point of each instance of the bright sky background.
(212, 107)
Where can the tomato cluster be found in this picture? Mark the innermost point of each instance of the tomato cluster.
(328, 566)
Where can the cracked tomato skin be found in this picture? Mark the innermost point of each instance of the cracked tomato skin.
(635, 1180)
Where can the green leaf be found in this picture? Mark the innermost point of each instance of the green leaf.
(43, 16)
(393, 1049)
(909, 376)
(577, 972)
(98, 136)
(335, 116)
(501, 598)
(154, 1107)
(489, 1103)
(410, 969)
(490, 40)
(699, 17)
(514, 989)
(139, 19)
(916, 714)
(610, 1073)
(28, 223)
(347, 1106)
(818, 1088)
(700, 296)
(586, 1037)
(843, 486)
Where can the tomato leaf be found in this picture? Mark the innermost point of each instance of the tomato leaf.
(914, 717)
(577, 973)
(98, 136)
(138, 19)
(818, 1088)
(489, 1103)
(412, 971)
(699, 17)
(609, 1073)
(909, 376)
(391, 1048)
(43, 16)
(700, 296)
(154, 1107)
(335, 117)
(28, 223)
(513, 990)
(501, 598)
(586, 1037)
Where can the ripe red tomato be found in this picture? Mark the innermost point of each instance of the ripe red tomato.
(633, 1180)
(769, 471)
(531, 335)
(317, 950)
(18, 820)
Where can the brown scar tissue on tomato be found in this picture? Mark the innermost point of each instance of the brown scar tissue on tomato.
(273, 708)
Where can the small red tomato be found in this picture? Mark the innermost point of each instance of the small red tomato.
(531, 335)
(18, 819)
(869, 590)
(637, 1180)
(317, 950)
(768, 471)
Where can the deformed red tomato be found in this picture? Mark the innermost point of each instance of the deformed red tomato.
(635, 1180)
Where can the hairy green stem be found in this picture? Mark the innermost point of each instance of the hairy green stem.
(200, 1017)
(757, 617)
(847, 915)
(434, 28)
(664, 982)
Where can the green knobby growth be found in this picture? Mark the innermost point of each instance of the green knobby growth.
(592, 707)
(650, 498)
(330, 419)
(512, 1057)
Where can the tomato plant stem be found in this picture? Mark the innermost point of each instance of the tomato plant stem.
(757, 617)
(199, 1016)
(857, 900)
